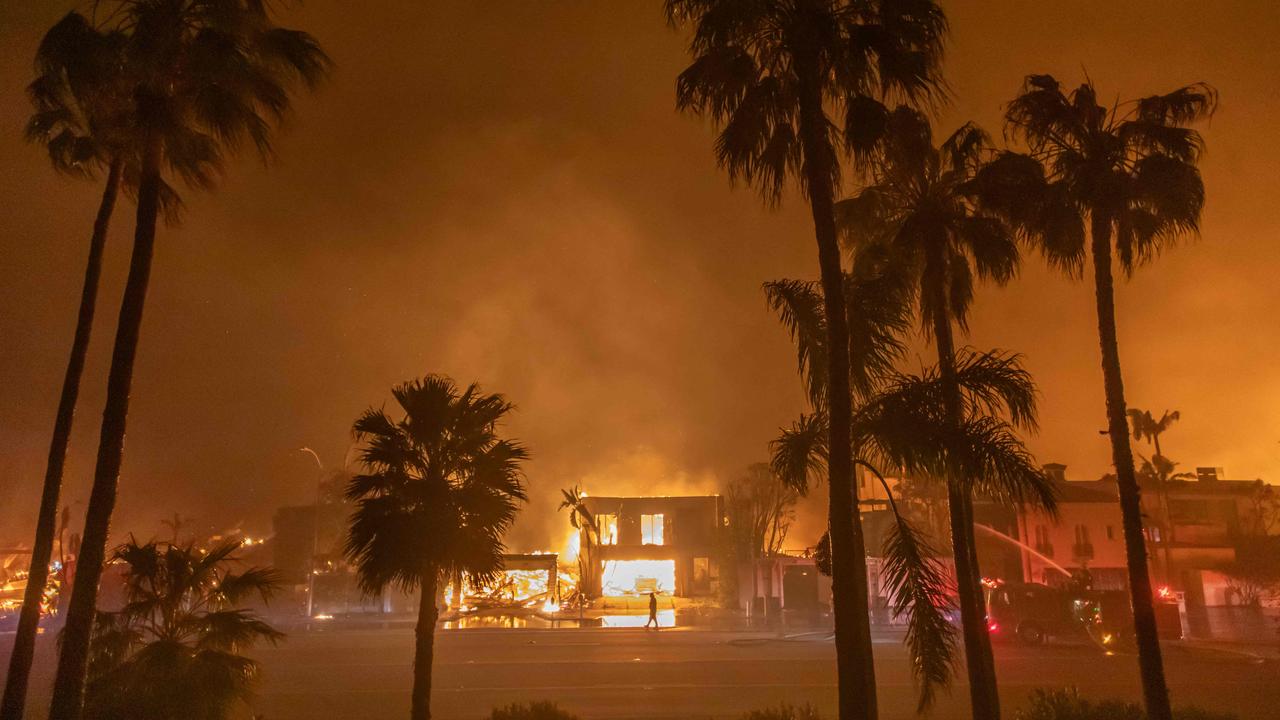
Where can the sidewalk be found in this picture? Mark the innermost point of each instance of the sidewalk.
(1262, 651)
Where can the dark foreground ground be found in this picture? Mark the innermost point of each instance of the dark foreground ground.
(624, 673)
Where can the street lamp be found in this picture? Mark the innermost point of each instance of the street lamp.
(315, 535)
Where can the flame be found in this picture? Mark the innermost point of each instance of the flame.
(571, 546)
(638, 577)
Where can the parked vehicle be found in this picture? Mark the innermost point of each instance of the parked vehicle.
(1030, 612)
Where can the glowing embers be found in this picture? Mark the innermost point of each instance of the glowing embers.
(515, 586)
(638, 577)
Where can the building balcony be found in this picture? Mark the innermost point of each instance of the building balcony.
(1207, 535)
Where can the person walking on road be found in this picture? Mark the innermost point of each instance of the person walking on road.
(653, 611)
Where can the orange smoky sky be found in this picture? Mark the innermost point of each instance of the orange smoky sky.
(503, 192)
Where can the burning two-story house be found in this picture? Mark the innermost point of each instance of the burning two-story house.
(667, 545)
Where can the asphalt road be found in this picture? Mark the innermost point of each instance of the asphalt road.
(623, 673)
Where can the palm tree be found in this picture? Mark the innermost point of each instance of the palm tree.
(440, 489)
(1146, 426)
(900, 422)
(584, 521)
(1129, 174)
(203, 76)
(919, 216)
(767, 73)
(904, 425)
(77, 119)
(174, 651)
(1158, 470)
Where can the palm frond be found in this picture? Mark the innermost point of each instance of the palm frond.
(229, 630)
(1183, 106)
(920, 590)
(235, 587)
(905, 425)
(964, 150)
(800, 452)
(995, 383)
(799, 304)
(878, 311)
(996, 464)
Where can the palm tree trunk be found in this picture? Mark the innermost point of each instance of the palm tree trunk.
(1166, 540)
(24, 643)
(855, 667)
(984, 695)
(73, 660)
(424, 650)
(1155, 690)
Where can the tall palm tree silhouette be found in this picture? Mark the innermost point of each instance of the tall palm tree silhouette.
(77, 118)
(1102, 181)
(919, 217)
(203, 76)
(767, 73)
(440, 489)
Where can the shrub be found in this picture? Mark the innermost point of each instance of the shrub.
(173, 651)
(543, 710)
(1066, 704)
(785, 711)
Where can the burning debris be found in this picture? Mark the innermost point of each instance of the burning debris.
(529, 581)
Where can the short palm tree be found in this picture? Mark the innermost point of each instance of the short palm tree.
(202, 77)
(919, 215)
(175, 650)
(1127, 173)
(438, 491)
(584, 521)
(900, 422)
(1146, 427)
(768, 73)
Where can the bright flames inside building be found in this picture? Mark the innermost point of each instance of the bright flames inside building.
(638, 577)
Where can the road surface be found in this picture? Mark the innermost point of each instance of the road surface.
(624, 673)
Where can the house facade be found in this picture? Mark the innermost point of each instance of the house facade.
(1192, 528)
(1086, 536)
(667, 545)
